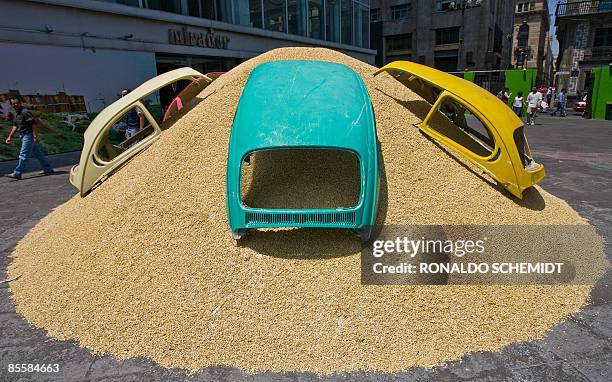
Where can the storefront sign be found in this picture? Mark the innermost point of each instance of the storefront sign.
(204, 40)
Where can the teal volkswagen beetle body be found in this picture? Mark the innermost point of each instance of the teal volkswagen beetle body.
(304, 105)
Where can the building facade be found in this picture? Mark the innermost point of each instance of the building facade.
(95, 48)
(531, 45)
(448, 35)
(584, 31)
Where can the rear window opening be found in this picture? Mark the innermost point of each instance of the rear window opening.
(523, 147)
(128, 130)
(301, 179)
(457, 123)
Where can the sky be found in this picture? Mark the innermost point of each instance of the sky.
(552, 6)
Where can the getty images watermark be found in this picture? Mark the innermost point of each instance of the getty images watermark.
(472, 254)
(458, 248)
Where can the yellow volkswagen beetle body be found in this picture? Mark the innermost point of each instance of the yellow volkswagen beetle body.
(473, 123)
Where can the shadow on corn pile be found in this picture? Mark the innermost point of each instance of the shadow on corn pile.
(532, 198)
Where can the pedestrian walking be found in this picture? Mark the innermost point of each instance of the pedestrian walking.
(135, 119)
(549, 96)
(504, 95)
(27, 126)
(517, 105)
(534, 101)
(561, 101)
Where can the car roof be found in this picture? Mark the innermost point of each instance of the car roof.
(302, 103)
(477, 97)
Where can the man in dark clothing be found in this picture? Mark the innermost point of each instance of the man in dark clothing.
(27, 126)
(561, 100)
(135, 119)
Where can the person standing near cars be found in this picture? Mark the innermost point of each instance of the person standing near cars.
(517, 105)
(504, 95)
(549, 96)
(27, 126)
(534, 101)
(135, 119)
(561, 101)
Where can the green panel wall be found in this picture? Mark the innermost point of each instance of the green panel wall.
(469, 76)
(516, 79)
(602, 92)
(520, 80)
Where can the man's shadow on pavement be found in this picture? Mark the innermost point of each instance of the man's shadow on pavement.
(34, 176)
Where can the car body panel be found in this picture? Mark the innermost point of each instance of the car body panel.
(505, 163)
(92, 169)
(214, 75)
(304, 104)
(186, 94)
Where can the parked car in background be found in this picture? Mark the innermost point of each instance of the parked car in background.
(581, 106)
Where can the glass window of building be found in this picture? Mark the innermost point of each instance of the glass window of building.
(316, 23)
(401, 12)
(173, 6)
(193, 8)
(346, 18)
(375, 15)
(447, 5)
(532, 5)
(447, 36)
(238, 12)
(603, 37)
(523, 36)
(202, 8)
(498, 39)
(399, 42)
(305, 17)
(296, 17)
(361, 25)
(241, 10)
(207, 9)
(342, 21)
(274, 15)
(223, 11)
(446, 60)
(255, 12)
(333, 20)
